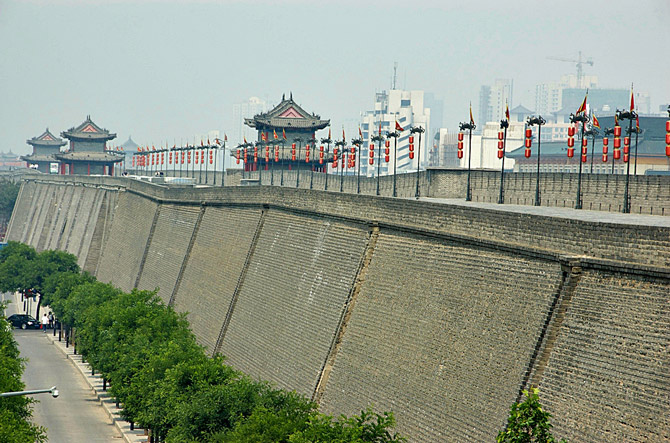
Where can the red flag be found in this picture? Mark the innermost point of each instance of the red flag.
(616, 120)
(225, 137)
(596, 123)
(283, 133)
(274, 134)
(380, 128)
(582, 107)
(472, 120)
(637, 122)
(507, 111)
(343, 137)
(360, 133)
(329, 138)
(398, 127)
(245, 139)
(632, 98)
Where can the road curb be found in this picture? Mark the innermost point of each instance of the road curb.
(106, 401)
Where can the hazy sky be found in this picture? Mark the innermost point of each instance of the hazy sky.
(166, 70)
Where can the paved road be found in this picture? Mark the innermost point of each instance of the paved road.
(76, 415)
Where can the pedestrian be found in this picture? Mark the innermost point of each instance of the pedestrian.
(45, 322)
(51, 320)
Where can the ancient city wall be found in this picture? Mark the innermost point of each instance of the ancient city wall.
(440, 312)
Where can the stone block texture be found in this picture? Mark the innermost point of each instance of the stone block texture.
(442, 335)
(167, 249)
(608, 376)
(123, 251)
(213, 269)
(23, 208)
(289, 306)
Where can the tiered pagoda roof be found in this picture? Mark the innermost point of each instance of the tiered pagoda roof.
(91, 157)
(287, 115)
(46, 139)
(88, 131)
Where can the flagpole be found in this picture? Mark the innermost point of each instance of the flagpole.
(469, 126)
(297, 179)
(504, 124)
(327, 141)
(420, 130)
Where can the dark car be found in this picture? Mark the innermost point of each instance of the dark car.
(23, 321)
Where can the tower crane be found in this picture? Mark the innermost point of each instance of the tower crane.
(579, 63)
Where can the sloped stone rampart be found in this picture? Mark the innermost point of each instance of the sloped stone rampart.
(608, 376)
(288, 310)
(167, 250)
(21, 213)
(122, 253)
(213, 269)
(442, 335)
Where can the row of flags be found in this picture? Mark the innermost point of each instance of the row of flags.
(217, 142)
(594, 119)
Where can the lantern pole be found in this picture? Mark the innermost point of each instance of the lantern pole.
(469, 126)
(281, 178)
(607, 132)
(311, 163)
(200, 168)
(358, 142)
(340, 145)
(378, 138)
(395, 134)
(583, 118)
(637, 132)
(271, 158)
(258, 146)
(419, 130)
(593, 132)
(327, 141)
(630, 115)
(223, 163)
(504, 124)
(297, 179)
(539, 121)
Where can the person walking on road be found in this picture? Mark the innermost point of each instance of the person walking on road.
(51, 320)
(45, 323)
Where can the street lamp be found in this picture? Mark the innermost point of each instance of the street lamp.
(341, 149)
(395, 134)
(299, 142)
(606, 132)
(539, 121)
(502, 141)
(418, 130)
(327, 141)
(630, 116)
(378, 138)
(469, 127)
(53, 391)
(583, 119)
(358, 142)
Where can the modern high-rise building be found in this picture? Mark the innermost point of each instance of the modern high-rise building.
(492, 100)
(409, 110)
(242, 110)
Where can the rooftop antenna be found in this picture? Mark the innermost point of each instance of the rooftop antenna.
(395, 74)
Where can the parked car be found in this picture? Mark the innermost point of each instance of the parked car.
(23, 321)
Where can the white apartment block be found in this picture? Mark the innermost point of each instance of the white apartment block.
(242, 110)
(407, 108)
(492, 100)
(549, 96)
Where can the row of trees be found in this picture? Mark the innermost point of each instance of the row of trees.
(15, 412)
(160, 376)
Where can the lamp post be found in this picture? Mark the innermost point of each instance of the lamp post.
(583, 119)
(281, 178)
(327, 141)
(470, 127)
(340, 149)
(378, 138)
(637, 132)
(539, 121)
(310, 161)
(606, 133)
(630, 116)
(53, 391)
(395, 134)
(418, 130)
(299, 142)
(358, 142)
(593, 133)
(504, 124)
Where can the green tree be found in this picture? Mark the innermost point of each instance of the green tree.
(528, 422)
(15, 412)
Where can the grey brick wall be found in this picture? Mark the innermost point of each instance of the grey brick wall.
(289, 307)
(442, 335)
(167, 250)
(123, 251)
(22, 210)
(608, 377)
(213, 269)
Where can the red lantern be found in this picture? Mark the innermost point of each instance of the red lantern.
(460, 154)
(353, 150)
(626, 140)
(500, 145)
(585, 150)
(500, 154)
(585, 142)
(529, 133)
(571, 142)
(162, 157)
(605, 149)
(460, 137)
(386, 158)
(625, 157)
(500, 135)
(667, 138)
(387, 151)
(527, 153)
(571, 152)
(133, 160)
(237, 157)
(571, 131)
(211, 157)
(528, 143)
(667, 126)
(255, 154)
(605, 158)
(626, 149)
(667, 150)
(460, 146)
(188, 157)
(606, 141)
(411, 146)
(411, 155)
(182, 157)
(388, 143)
(617, 142)
(617, 154)
(371, 161)
(583, 158)
(170, 158)
(617, 131)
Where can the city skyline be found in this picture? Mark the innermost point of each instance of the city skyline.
(164, 71)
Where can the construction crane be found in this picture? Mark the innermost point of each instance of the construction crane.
(579, 63)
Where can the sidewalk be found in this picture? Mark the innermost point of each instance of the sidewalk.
(95, 382)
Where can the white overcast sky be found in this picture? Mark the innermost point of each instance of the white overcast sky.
(166, 70)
